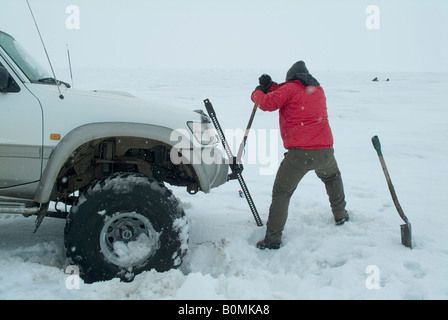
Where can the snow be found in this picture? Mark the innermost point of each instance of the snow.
(133, 252)
(181, 225)
(363, 259)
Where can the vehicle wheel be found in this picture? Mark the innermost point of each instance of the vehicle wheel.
(123, 225)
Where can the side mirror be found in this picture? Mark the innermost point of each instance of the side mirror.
(4, 79)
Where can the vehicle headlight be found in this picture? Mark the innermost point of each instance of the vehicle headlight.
(203, 132)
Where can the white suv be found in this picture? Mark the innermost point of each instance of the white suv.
(106, 156)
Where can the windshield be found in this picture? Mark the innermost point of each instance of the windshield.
(30, 67)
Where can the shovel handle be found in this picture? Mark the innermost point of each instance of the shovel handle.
(377, 145)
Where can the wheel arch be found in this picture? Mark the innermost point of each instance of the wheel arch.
(85, 134)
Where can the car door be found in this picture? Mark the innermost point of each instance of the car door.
(20, 134)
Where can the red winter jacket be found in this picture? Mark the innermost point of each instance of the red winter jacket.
(303, 114)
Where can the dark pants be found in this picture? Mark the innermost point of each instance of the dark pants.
(295, 165)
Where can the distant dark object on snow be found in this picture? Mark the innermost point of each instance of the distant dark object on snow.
(376, 79)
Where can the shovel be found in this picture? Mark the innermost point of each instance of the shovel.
(406, 237)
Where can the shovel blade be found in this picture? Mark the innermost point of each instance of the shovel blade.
(406, 235)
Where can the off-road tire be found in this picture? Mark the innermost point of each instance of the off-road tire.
(116, 213)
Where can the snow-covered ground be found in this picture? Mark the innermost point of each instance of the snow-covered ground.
(363, 259)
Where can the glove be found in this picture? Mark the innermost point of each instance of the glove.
(265, 82)
(259, 88)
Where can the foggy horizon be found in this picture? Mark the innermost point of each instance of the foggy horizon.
(327, 35)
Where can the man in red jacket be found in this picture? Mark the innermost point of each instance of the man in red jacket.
(307, 136)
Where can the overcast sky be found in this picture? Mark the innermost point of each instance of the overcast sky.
(327, 34)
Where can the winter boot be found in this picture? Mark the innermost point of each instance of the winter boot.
(265, 244)
(341, 221)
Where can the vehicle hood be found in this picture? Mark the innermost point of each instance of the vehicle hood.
(81, 107)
